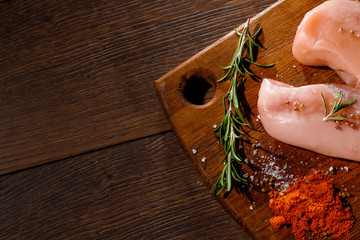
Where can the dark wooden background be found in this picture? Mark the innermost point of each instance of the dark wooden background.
(86, 150)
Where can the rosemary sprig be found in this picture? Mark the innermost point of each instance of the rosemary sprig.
(338, 105)
(230, 130)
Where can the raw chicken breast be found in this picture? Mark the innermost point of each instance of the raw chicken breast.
(295, 115)
(329, 35)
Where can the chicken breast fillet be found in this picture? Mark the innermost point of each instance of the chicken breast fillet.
(329, 35)
(295, 115)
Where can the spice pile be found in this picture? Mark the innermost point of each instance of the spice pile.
(311, 205)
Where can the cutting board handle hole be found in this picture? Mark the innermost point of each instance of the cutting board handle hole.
(198, 90)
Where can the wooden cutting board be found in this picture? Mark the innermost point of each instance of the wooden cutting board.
(182, 90)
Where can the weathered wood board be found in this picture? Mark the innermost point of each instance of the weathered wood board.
(193, 124)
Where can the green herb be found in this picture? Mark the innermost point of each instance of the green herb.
(338, 105)
(230, 130)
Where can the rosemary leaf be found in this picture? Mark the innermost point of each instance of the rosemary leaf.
(256, 33)
(248, 71)
(225, 68)
(259, 65)
(323, 99)
(228, 187)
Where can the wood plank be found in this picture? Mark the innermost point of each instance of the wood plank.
(78, 76)
(193, 124)
(107, 195)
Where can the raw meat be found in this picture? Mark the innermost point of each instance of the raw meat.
(294, 115)
(329, 35)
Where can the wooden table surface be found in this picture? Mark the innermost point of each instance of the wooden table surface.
(86, 150)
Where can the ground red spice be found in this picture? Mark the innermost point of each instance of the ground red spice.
(311, 205)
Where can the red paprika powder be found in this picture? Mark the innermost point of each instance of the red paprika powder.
(311, 205)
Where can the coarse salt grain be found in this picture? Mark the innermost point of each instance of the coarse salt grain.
(194, 151)
(269, 166)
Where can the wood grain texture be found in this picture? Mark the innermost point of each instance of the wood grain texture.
(78, 75)
(193, 124)
(143, 189)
